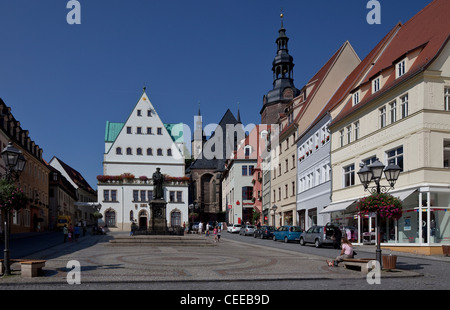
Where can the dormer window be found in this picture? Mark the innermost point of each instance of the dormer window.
(356, 98)
(401, 68)
(376, 85)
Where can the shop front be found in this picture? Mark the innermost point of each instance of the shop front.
(423, 228)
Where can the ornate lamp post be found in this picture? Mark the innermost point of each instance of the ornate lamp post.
(14, 163)
(374, 172)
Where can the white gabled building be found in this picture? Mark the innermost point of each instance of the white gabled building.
(133, 151)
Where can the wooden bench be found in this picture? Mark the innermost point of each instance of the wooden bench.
(29, 267)
(362, 264)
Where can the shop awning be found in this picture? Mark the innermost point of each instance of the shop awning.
(402, 195)
(338, 206)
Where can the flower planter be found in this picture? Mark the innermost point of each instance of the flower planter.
(389, 262)
(446, 250)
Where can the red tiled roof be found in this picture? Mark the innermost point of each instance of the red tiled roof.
(429, 29)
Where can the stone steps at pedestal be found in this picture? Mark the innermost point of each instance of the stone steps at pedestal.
(162, 240)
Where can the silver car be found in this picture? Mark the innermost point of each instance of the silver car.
(247, 230)
(320, 235)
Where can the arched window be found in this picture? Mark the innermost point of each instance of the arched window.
(175, 219)
(129, 152)
(149, 151)
(118, 151)
(110, 218)
(139, 151)
(169, 152)
(159, 152)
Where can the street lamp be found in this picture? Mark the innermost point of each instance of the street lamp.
(374, 172)
(14, 163)
(274, 209)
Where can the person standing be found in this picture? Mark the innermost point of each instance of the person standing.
(65, 232)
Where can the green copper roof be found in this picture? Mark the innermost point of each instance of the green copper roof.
(175, 131)
(112, 131)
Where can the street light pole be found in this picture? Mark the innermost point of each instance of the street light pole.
(14, 164)
(374, 172)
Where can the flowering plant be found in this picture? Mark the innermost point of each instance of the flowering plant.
(11, 197)
(386, 205)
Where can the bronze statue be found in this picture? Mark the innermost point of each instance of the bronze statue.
(158, 184)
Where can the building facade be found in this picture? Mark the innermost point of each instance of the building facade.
(133, 151)
(397, 111)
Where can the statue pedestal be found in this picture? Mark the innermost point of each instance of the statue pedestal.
(158, 222)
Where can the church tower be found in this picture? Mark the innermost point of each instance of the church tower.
(199, 137)
(275, 101)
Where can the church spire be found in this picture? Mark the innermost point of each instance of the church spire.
(284, 89)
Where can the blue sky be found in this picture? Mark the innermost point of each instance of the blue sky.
(63, 82)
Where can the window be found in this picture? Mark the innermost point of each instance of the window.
(395, 156)
(247, 193)
(349, 134)
(401, 68)
(139, 113)
(150, 195)
(393, 111)
(382, 117)
(169, 152)
(376, 85)
(143, 195)
(293, 188)
(285, 191)
(356, 98)
(159, 131)
(118, 151)
(139, 130)
(404, 106)
(106, 195)
(129, 152)
(250, 169)
(135, 195)
(356, 132)
(341, 136)
(287, 166)
(149, 130)
(446, 153)
(139, 151)
(247, 151)
(349, 175)
(149, 112)
(159, 152)
(113, 195)
(370, 160)
(179, 196)
(149, 151)
(447, 99)
(128, 130)
(244, 170)
(172, 196)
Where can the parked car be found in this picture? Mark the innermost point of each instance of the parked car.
(234, 228)
(264, 232)
(195, 226)
(287, 233)
(247, 230)
(321, 235)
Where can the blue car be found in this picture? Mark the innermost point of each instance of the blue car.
(287, 233)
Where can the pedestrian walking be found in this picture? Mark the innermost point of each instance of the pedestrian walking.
(215, 233)
(346, 252)
(218, 233)
(200, 227)
(77, 232)
(70, 234)
(65, 232)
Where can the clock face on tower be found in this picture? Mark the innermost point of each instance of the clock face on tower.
(288, 93)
